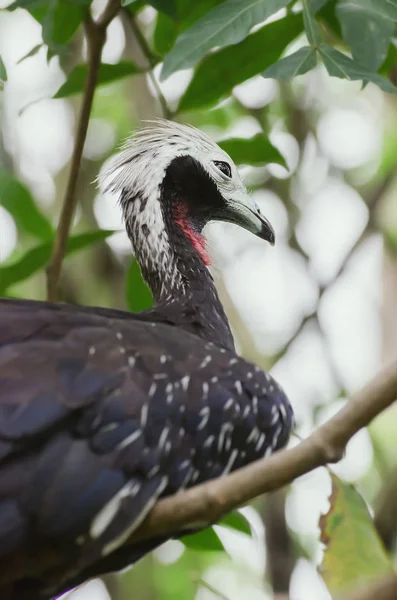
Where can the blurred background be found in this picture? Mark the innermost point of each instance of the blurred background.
(319, 309)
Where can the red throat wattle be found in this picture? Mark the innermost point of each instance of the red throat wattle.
(197, 239)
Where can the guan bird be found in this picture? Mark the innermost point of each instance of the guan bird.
(102, 412)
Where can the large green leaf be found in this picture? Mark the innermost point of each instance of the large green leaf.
(37, 258)
(311, 27)
(385, 8)
(17, 200)
(340, 65)
(226, 24)
(219, 72)
(60, 18)
(107, 73)
(204, 540)
(167, 28)
(368, 34)
(257, 150)
(24, 4)
(354, 554)
(298, 63)
(61, 22)
(138, 295)
(165, 34)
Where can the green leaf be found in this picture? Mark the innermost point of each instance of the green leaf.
(37, 258)
(257, 150)
(138, 295)
(236, 520)
(367, 34)
(311, 27)
(3, 71)
(298, 63)
(17, 200)
(354, 555)
(219, 72)
(204, 540)
(340, 65)
(74, 84)
(228, 23)
(22, 4)
(31, 52)
(384, 8)
(165, 34)
(61, 22)
(60, 19)
(168, 7)
(168, 28)
(327, 14)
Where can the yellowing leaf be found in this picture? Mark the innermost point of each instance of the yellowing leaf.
(354, 555)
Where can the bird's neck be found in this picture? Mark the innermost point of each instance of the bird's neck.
(174, 263)
(189, 298)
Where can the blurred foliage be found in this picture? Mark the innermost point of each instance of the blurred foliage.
(354, 554)
(225, 43)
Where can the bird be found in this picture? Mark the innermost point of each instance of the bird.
(103, 411)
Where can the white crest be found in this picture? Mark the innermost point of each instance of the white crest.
(135, 175)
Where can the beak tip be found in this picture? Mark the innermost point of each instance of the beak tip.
(268, 234)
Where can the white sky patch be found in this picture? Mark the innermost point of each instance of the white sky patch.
(331, 223)
(348, 137)
(256, 92)
(306, 583)
(8, 234)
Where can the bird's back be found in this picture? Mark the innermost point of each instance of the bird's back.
(102, 413)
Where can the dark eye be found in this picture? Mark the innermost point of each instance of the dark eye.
(224, 167)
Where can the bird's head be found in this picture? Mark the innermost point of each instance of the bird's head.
(171, 180)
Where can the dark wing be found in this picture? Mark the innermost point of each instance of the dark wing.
(99, 416)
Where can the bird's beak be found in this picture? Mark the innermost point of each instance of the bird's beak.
(245, 212)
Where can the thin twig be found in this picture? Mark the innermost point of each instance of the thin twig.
(152, 61)
(96, 36)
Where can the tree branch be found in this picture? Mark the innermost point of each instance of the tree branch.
(152, 60)
(96, 37)
(208, 502)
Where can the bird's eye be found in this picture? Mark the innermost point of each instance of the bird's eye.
(224, 167)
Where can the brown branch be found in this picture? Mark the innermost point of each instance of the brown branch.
(208, 502)
(96, 37)
(385, 589)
